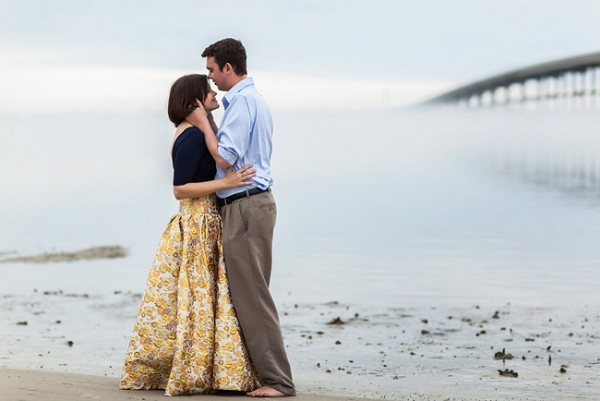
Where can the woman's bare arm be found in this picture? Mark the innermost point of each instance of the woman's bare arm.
(232, 179)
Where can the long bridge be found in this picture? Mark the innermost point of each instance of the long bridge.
(570, 77)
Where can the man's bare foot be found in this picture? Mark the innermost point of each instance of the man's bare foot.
(265, 391)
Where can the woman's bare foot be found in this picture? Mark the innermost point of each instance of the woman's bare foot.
(265, 391)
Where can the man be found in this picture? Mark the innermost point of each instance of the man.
(249, 213)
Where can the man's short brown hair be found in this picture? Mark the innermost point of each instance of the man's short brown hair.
(184, 92)
(230, 51)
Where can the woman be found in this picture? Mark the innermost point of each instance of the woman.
(187, 338)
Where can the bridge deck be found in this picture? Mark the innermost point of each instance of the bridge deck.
(550, 69)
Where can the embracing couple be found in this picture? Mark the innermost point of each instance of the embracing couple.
(207, 321)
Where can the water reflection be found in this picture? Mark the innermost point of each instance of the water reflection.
(554, 164)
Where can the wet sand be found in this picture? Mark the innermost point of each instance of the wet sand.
(93, 253)
(440, 352)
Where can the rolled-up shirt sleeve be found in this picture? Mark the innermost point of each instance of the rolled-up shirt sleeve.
(234, 133)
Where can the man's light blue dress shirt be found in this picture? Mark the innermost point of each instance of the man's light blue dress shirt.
(245, 135)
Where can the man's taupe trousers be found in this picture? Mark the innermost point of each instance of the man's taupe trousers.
(248, 226)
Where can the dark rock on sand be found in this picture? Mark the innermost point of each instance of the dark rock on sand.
(508, 373)
(336, 321)
(503, 355)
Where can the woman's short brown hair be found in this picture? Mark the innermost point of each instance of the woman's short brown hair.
(184, 92)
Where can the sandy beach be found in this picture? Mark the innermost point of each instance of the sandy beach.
(26, 385)
(350, 351)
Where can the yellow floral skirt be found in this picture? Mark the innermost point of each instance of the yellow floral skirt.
(187, 339)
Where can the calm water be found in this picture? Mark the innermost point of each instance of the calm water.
(398, 208)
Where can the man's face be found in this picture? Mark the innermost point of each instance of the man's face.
(217, 76)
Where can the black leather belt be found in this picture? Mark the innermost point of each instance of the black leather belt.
(245, 194)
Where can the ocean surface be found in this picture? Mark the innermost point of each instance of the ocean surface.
(395, 208)
(395, 221)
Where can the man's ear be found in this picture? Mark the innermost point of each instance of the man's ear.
(227, 68)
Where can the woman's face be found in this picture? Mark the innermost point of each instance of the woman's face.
(210, 102)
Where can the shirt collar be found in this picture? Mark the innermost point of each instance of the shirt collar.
(235, 89)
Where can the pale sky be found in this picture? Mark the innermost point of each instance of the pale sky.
(107, 55)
